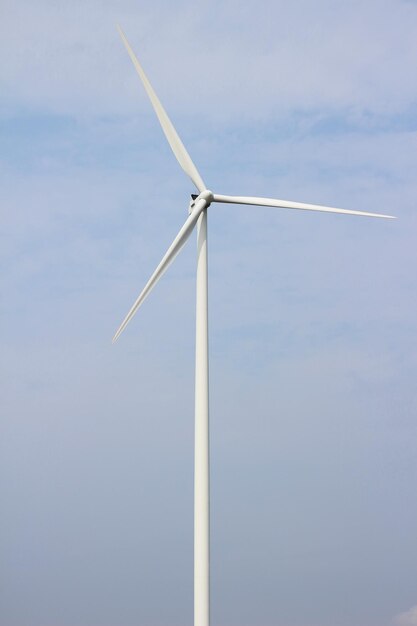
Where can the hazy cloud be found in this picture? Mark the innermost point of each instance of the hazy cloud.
(408, 618)
(313, 336)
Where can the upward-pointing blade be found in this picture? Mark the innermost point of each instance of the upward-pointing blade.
(174, 141)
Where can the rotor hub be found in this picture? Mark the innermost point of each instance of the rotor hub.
(206, 195)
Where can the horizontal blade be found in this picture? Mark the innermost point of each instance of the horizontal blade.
(174, 141)
(167, 259)
(286, 204)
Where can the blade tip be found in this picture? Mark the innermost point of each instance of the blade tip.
(121, 32)
(116, 336)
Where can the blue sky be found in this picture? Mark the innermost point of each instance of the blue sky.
(313, 330)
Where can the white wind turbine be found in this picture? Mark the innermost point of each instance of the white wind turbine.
(198, 217)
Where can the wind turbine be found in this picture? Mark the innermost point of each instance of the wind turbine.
(198, 217)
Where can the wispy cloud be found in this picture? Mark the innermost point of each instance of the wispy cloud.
(408, 618)
(67, 59)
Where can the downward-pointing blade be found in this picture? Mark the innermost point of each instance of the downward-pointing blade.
(166, 261)
(174, 141)
(287, 204)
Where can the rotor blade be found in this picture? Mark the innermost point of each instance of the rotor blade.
(174, 141)
(167, 259)
(286, 204)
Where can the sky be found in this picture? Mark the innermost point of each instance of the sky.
(313, 331)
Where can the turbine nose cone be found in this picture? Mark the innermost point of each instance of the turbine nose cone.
(207, 195)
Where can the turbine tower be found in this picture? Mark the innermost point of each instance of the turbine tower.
(198, 217)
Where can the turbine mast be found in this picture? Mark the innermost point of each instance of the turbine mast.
(201, 448)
